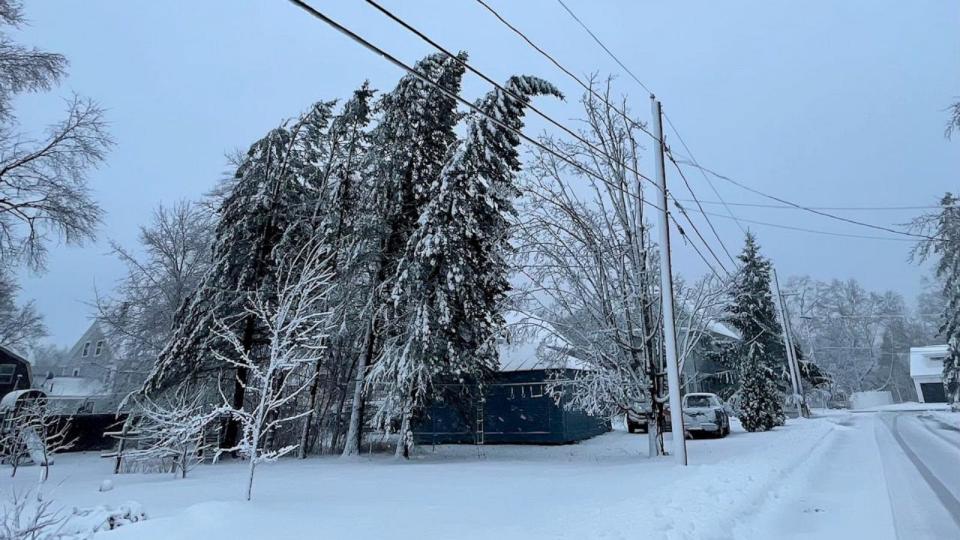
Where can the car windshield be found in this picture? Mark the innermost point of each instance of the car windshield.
(698, 401)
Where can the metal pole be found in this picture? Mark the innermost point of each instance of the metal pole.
(679, 444)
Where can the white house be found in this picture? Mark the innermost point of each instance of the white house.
(926, 369)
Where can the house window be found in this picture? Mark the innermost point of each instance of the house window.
(511, 393)
(536, 390)
(86, 350)
(6, 373)
(76, 372)
(99, 348)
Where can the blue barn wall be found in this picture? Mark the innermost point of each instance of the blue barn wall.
(517, 409)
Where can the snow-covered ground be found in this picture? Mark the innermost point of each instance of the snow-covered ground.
(822, 474)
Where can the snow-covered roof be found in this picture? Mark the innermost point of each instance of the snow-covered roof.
(10, 399)
(927, 361)
(73, 386)
(534, 344)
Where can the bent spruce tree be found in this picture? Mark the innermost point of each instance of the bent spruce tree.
(452, 280)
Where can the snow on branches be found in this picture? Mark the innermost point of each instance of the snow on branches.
(452, 280)
(586, 262)
(295, 319)
(751, 312)
(944, 244)
(169, 430)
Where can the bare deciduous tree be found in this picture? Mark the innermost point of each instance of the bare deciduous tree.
(296, 322)
(43, 181)
(953, 123)
(139, 315)
(36, 432)
(698, 306)
(585, 255)
(20, 326)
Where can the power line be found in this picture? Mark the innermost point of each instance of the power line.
(801, 207)
(402, 65)
(603, 99)
(609, 52)
(696, 249)
(512, 94)
(566, 71)
(813, 231)
(710, 249)
(594, 148)
(693, 162)
(788, 207)
(706, 217)
(590, 89)
(705, 177)
(566, 159)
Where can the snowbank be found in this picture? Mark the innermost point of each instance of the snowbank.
(865, 400)
(909, 406)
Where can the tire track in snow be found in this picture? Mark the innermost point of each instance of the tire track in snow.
(934, 426)
(949, 502)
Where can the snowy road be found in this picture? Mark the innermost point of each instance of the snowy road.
(885, 475)
(922, 462)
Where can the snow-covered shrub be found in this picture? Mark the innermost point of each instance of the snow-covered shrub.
(28, 516)
(83, 523)
(168, 433)
(24, 517)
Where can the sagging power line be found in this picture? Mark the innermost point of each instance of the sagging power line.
(694, 163)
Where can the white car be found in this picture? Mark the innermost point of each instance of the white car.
(702, 413)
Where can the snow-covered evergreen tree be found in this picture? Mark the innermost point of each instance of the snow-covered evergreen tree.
(944, 230)
(261, 200)
(331, 156)
(452, 279)
(752, 313)
(409, 145)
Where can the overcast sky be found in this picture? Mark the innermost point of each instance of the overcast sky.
(827, 103)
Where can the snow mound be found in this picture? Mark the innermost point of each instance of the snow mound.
(83, 523)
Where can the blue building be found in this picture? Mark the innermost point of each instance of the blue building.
(516, 406)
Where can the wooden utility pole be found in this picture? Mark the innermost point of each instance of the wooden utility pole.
(679, 445)
(792, 364)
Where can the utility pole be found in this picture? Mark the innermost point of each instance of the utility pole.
(679, 444)
(792, 364)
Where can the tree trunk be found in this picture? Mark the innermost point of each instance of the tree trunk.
(355, 431)
(308, 419)
(233, 427)
(403, 446)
